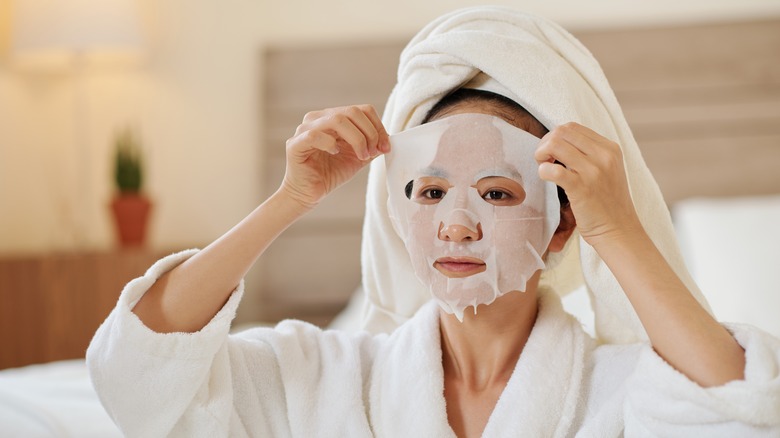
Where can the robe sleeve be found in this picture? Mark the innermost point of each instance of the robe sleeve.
(661, 401)
(154, 384)
(291, 380)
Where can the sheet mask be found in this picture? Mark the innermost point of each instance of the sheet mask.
(444, 180)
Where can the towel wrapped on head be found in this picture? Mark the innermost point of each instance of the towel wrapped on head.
(552, 75)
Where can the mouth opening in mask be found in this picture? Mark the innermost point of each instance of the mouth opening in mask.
(459, 267)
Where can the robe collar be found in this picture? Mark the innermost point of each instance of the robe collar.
(540, 399)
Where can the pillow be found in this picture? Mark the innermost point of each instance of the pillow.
(732, 248)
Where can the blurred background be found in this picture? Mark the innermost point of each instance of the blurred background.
(210, 90)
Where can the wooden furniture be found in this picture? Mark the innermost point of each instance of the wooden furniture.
(703, 102)
(51, 305)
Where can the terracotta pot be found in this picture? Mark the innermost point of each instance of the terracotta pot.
(131, 214)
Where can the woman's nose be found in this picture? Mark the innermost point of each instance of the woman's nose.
(459, 233)
(460, 227)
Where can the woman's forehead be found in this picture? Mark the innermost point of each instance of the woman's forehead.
(463, 149)
(468, 143)
(519, 119)
(472, 147)
(473, 173)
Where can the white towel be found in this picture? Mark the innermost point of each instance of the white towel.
(557, 80)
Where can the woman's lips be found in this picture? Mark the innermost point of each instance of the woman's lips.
(459, 267)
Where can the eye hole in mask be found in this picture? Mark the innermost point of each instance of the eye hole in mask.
(496, 190)
(428, 190)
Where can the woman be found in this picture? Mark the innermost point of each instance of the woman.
(163, 362)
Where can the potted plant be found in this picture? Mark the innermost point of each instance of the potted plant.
(130, 206)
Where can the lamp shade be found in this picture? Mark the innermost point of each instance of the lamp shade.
(50, 33)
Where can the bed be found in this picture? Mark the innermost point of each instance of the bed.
(52, 400)
(704, 103)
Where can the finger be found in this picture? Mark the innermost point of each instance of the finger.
(555, 148)
(558, 175)
(362, 121)
(313, 115)
(583, 130)
(336, 120)
(302, 145)
(587, 140)
(343, 128)
(373, 116)
(314, 119)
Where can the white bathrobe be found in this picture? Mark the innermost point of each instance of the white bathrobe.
(298, 380)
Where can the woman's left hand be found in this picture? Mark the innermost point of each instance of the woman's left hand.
(680, 330)
(590, 169)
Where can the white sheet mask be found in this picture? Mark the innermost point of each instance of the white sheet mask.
(477, 217)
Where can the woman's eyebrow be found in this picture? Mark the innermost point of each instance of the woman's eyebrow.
(500, 172)
(434, 171)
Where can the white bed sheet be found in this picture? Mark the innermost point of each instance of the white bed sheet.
(52, 400)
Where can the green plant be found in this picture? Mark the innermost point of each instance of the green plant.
(128, 162)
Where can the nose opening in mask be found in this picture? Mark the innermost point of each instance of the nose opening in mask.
(460, 226)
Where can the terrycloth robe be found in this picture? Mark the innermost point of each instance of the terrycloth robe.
(298, 380)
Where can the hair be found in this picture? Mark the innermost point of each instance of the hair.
(506, 108)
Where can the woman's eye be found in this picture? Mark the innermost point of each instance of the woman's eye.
(433, 193)
(496, 195)
(500, 191)
(429, 190)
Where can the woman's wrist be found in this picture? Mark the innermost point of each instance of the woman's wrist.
(289, 204)
(629, 234)
(294, 199)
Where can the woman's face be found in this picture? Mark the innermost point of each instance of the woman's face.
(473, 210)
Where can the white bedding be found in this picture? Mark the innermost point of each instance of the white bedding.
(52, 400)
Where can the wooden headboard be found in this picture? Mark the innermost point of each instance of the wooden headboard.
(703, 102)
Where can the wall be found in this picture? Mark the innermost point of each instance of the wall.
(303, 19)
(195, 102)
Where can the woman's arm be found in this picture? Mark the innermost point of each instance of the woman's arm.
(328, 148)
(680, 329)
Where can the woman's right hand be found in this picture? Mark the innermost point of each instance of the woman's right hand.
(329, 148)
